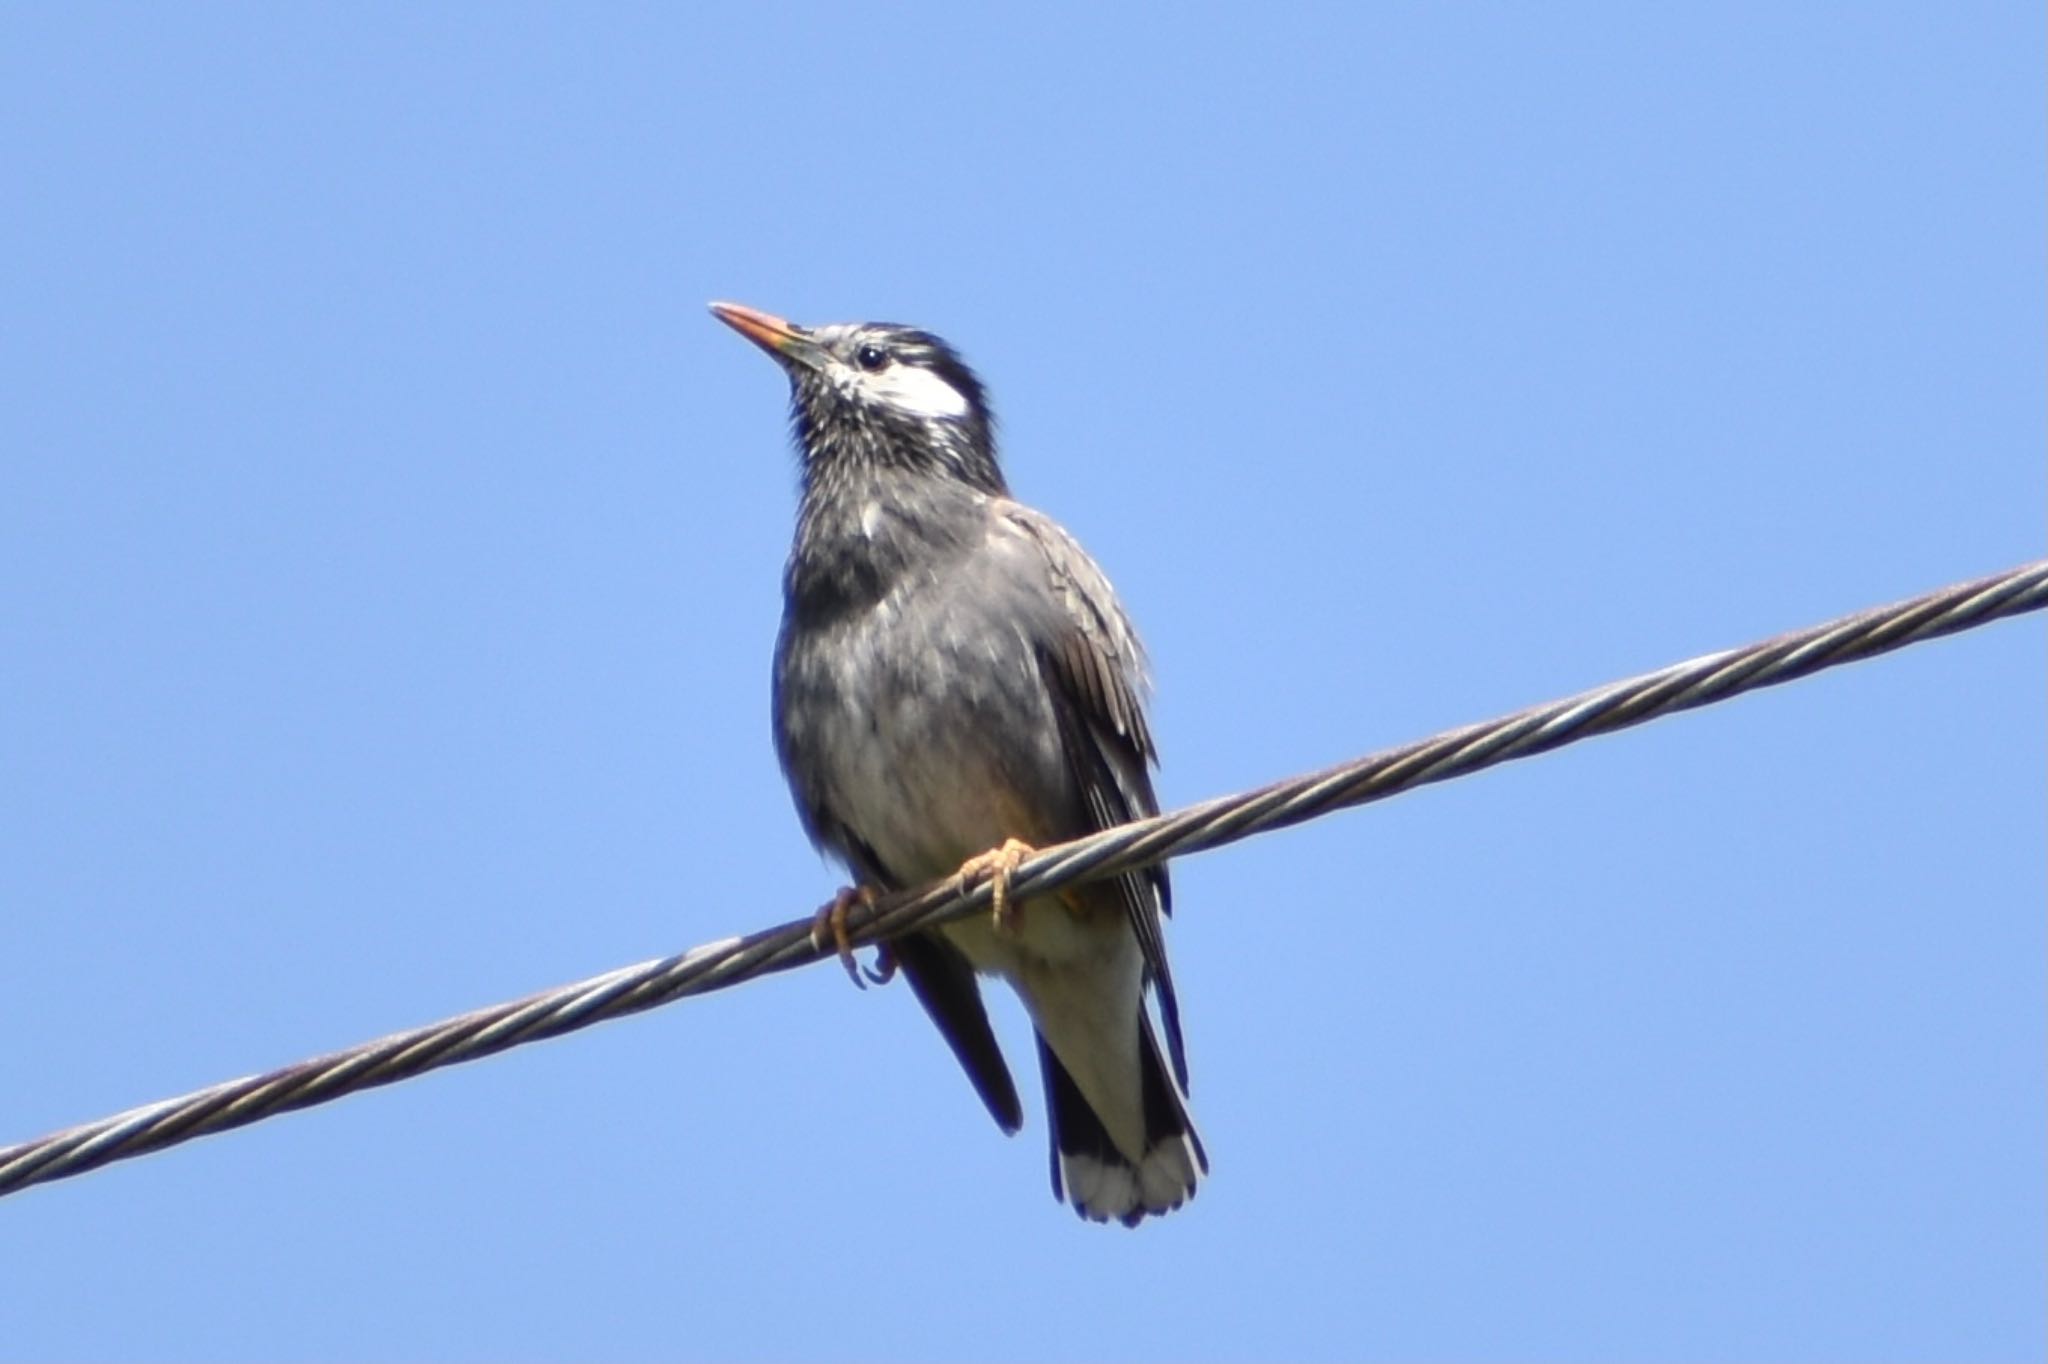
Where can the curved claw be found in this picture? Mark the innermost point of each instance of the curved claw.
(832, 920)
(999, 865)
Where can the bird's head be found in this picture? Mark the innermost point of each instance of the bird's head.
(878, 395)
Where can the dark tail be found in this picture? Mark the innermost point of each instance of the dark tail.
(1102, 1180)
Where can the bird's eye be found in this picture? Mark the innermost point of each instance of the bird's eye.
(871, 357)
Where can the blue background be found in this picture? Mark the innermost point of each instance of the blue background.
(389, 555)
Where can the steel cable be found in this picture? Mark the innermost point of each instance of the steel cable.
(1211, 824)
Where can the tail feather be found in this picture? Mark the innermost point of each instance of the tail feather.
(1102, 1180)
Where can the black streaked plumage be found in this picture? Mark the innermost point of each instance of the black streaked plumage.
(954, 671)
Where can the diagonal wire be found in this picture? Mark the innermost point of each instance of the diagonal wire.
(714, 966)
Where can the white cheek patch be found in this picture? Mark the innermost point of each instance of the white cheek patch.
(916, 391)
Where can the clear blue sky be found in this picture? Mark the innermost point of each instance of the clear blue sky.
(389, 556)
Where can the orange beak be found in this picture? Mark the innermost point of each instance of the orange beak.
(781, 339)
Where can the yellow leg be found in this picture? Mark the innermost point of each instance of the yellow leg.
(831, 921)
(999, 865)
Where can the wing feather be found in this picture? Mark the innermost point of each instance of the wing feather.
(943, 981)
(1094, 668)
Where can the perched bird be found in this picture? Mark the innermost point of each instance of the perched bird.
(954, 683)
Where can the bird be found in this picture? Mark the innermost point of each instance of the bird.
(955, 683)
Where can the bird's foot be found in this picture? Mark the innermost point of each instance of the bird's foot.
(831, 923)
(999, 865)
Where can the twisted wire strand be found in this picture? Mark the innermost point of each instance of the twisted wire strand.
(1211, 824)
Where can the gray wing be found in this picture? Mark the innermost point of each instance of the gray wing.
(939, 975)
(1094, 670)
